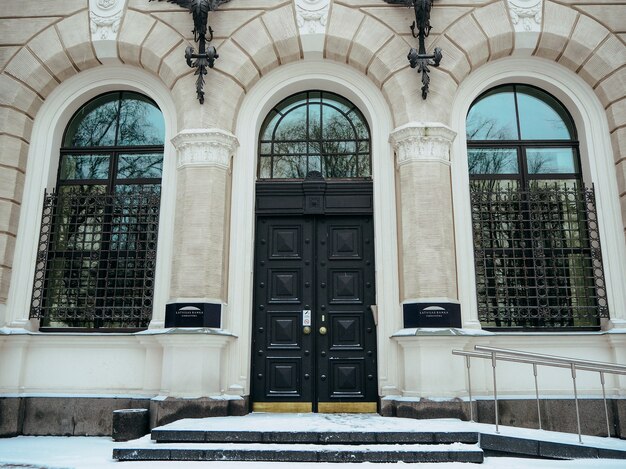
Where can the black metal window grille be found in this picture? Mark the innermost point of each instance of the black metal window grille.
(97, 249)
(536, 241)
(538, 258)
(315, 131)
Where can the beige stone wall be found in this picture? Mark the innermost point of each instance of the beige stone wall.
(43, 42)
(427, 239)
(199, 234)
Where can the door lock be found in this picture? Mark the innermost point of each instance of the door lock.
(323, 330)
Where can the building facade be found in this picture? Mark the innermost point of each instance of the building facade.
(315, 206)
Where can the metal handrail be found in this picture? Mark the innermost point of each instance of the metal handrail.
(494, 354)
(553, 358)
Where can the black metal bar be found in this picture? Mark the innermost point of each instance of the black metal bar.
(418, 58)
(202, 34)
(96, 260)
(538, 258)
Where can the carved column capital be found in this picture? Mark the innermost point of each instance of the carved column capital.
(415, 142)
(205, 147)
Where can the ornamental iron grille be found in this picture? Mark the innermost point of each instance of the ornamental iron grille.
(538, 258)
(97, 248)
(536, 240)
(315, 131)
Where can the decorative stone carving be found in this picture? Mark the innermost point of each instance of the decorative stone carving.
(205, 147)
(422, 142)
(312, 15)
(105, 17)
(526, 14)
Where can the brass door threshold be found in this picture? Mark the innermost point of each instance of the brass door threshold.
(346, 407)
(283, 407)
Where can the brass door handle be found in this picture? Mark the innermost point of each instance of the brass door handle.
(323, 330)
(306, 330)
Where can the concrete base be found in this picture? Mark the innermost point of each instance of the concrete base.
(130, 424)
(556, 414)
(86, 416)
(171, 409)
(11, 417)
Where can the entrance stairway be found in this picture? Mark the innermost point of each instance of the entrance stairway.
(301, 438)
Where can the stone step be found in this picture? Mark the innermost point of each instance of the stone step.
(165, 435)
(382, 453)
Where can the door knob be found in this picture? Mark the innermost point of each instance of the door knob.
(306, 330)
(323, 330)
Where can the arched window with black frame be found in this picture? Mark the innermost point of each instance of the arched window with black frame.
(535, 229)
(315, 131)
(97, 250)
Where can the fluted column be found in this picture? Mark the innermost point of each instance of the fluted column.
(202, 214)
(427, 254)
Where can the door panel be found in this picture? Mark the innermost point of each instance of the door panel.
(325, 265)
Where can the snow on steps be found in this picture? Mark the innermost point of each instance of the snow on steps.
(297, 452)
(353, 438)
(301, 438)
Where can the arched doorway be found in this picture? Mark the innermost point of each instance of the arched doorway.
(314, 334)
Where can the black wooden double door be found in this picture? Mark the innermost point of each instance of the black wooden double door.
(314, 337)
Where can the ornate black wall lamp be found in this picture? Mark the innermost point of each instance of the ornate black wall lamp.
(206, 56)
(419, 58)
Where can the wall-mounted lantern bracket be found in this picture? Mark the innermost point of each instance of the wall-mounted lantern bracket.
(206, 56)
(418, 58)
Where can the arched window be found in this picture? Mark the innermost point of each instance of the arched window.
(95, 268)
(537, 251)
(314, 131)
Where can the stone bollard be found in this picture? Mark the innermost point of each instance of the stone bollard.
(130, 424)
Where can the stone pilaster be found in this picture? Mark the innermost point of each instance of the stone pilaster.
(202, 214)
(426, 239)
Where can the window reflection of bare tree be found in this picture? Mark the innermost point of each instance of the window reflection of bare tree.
(336, 148)
(90, 220)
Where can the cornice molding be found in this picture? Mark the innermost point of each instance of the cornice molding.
(416, 142)
(205, 147)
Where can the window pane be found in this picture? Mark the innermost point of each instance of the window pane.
(84, 167)
(138, 189)
(268, 126)
(293, 126)
(95, 124)
(307, 130)
(290, 167)
(336, 125)
(493, 117)
(79, 218)
(339, 166)
(365, 169)
(315, 122)
(551, 160)
(541, 116)
(492, 160)
(554, 184)
(493, 184)
(149, 165)
(141, 122)
(265, 168)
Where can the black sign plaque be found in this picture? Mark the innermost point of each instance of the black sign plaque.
(432, 315)
(193, 315)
